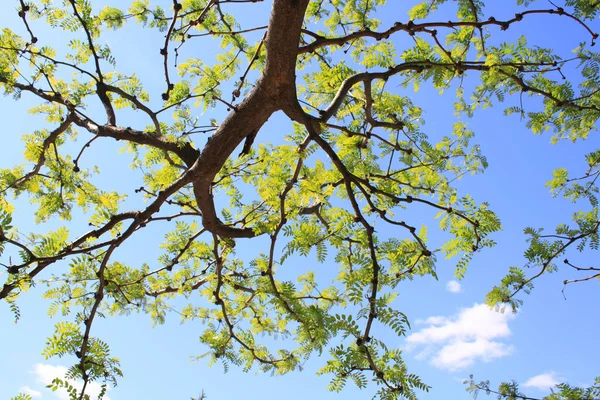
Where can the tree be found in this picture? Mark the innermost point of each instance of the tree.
(358, 157)
(510, 391)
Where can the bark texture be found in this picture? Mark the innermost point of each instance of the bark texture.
(274, 91)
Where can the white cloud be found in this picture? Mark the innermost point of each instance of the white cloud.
(45, 373)
(30, 391)
(432, 321)
(457, 342)
(544, 381)
(460, 354)
(454, 287)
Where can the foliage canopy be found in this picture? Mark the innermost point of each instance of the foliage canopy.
(358, 158)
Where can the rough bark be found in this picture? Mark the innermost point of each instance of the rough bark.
(274, 91)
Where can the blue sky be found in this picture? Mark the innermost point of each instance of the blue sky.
(550, 340)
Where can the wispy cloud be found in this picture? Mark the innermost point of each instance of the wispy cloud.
(458, 341)
(45, 373)
(454, 287)
(544, 381)
(29, 391)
